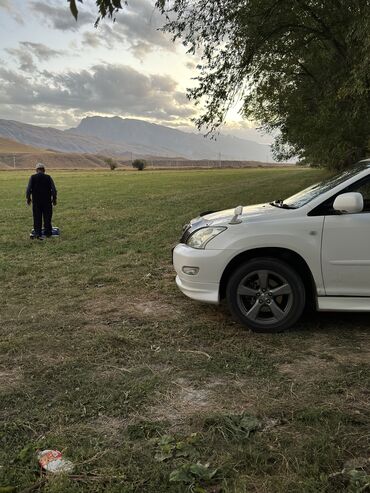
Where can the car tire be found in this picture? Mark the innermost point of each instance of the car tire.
(266, 295)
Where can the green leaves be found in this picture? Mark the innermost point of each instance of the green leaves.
(169, 448)
(106, 8)
(27, 454)
(235, 426)
(244, 424)
(166, 447)
(354, 477)
(193, 473)
(139, 164)
(359, 481)
(302, 70)
(73, 8)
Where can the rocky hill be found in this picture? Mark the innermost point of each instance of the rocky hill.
(127, 138)
(159, 140)
(56, 140)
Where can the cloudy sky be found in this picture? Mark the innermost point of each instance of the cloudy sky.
(54, 70)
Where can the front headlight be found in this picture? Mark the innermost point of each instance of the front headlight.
(201, 237)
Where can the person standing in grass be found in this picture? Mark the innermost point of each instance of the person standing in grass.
(42, 193)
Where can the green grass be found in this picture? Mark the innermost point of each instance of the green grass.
(101, 355)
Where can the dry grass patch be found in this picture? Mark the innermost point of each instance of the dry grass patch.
(323, 357)
(101, 309)
(97, 329)
(110, 373)
(151, 309)
(357, 356)
(109, 426)
(342, 350)
(187, 400)
(308, 368)
(10, 379)
(108, 309)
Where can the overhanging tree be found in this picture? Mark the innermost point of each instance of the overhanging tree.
(106, 8)
(301, 68)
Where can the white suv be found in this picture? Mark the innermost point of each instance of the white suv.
(270, 259)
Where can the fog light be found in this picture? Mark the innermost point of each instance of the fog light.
(190, 271)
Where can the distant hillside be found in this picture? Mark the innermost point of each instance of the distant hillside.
(52, 160)
(4, 166)
(8, 145)
(57, 140)
(127, 138)
(163, 141)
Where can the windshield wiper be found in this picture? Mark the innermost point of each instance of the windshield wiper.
(280, 203)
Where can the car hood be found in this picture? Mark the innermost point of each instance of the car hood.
(250, 212)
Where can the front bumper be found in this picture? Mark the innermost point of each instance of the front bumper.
(208, 293)
(203, 286)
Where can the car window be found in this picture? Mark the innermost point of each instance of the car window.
(364, 189)
(305, 196)
(361, 186)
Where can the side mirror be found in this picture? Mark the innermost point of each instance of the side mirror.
(349, 203)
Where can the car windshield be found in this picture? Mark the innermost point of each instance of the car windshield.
(303, 197)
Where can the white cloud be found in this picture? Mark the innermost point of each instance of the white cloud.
(24, 58)
(60, 18)
(27, 52)
(12, 10)
(41, 51)
(136, 28)
(105, 89)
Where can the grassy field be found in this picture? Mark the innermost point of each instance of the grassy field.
(144, 390)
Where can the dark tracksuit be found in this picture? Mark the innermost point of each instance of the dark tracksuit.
(43, 191)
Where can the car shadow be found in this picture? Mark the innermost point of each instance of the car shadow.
(330, 321)
(311, 320)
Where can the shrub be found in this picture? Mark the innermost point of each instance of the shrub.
(139, 164)
(111, 163)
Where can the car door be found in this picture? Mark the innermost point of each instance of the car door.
(345, 254)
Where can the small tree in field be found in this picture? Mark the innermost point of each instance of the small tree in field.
(111, 163)
(139, 164)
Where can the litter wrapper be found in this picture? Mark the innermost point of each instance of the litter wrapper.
(52, 461)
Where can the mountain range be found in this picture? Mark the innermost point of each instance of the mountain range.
(127, 138)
